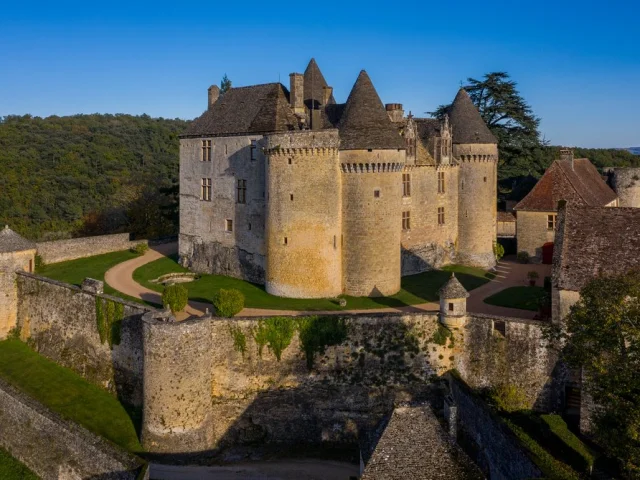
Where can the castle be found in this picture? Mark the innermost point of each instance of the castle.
(314, 198)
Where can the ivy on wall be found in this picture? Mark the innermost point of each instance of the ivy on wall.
(109, 315)
(318, 333)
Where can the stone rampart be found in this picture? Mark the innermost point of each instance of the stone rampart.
(57, 449)
(60, 321)
(73, 248)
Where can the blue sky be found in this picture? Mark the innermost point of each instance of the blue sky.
(576, 63)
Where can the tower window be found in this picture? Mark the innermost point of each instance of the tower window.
(248, 226)
(450, 307)
(440, 182)
(406, 185)
(228, 225)
(440, 215)
(551, 222)
(485, 179)
(376, 193)
(285, 241)
(406, 220)
(206, 150)
(253, 149)
(290, 161)
(462, 185)
(242, 191)
(205, 189)
(291, 196)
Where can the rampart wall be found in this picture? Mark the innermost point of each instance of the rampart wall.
(71, 249)
(57, 449)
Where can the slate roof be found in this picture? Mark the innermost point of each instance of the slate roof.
(10, 241)
(364, 123)
(466, 122)
(592, 241)
(453, 289)
(313, 85)
(415, 447)
(580, 184)
(255, 109)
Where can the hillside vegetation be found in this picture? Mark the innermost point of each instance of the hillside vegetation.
(89, 174)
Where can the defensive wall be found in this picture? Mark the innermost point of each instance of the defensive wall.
(73, 248)
(56, 449)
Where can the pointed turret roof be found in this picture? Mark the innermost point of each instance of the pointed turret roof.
(365, 123)
(468, 126)
(314, 84)
(453, 289)
(10, 241)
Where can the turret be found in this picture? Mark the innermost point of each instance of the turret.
(476, 150)
(453, 303)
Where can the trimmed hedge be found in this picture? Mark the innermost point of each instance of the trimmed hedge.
(176, 296)
(228, 303)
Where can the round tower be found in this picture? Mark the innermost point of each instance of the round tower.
(372, 156)
(304, 215)
(476, 150)
(626, 183)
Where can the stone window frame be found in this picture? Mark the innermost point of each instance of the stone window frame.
(406, 220)
(376, 193)
(241, 195)
(441, 186)
(206, 151)
(228, 225)
(441, 219)
(406, 184)
(205, 189)
(552, 221)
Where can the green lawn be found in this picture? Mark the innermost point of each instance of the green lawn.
(75, 271)
(416, 289)
(67, 394)
(12, 469)
(524, 298)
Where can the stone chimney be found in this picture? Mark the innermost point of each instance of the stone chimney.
(214, 94)
(395, 111)
(296, 93)
(567, 154)
(326, 94)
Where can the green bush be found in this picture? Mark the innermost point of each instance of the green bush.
(509, 398)
(176, 297)
(140, 248)
(577, 454)
(498, 251)
(318, 333)
(228, 303)
(523, 257)
(441, 334)
(39, 263)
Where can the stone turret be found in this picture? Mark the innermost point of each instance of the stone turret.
(453, 303)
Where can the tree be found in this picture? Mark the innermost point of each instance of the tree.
(511, 120)
(225, 84)
(601, 335)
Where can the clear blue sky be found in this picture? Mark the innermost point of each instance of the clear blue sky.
(576, 63)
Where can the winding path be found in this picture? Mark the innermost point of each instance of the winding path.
(509, 274)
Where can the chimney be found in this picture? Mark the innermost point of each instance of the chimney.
(567, 154)
(326, 94)
(296, 93)
(395, 112)
(214, 94)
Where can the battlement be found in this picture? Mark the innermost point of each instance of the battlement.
(310, 142)
(477, 158)
(371, 167)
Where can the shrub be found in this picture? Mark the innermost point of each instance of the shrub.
(498, 251)
(523, 257)
(176, 297)
(318, 333)
(228, 303)
(509, 398)
(239, 339)
(440, 335)
(533, 275)
(276, 333)
(39, 263)
(140, 248)
(577, 453)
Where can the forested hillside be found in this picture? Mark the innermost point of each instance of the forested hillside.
(89, 174)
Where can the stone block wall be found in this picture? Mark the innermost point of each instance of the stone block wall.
(11, 262)
(60, 322)
(532, 233)
(626, 183)
(73, 248)
(57, 449)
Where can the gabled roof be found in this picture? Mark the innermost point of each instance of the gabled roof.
(453, 289)
(466, 121)
(591, 241)
(313, 85)
(364, 123)
(10, 241)
(245, 110)
(578, 182)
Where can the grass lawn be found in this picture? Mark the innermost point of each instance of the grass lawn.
(524, 298)
(67, 394)
(416, 289)
(12, 469)
(75, 271)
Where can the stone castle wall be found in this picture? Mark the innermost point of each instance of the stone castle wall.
(60, 322)
(57, 449)
(304, 215)
(428, 245)
(626, 183)
(205, 244)
(532, 233)
(477, 208)
(73, 248)
(10, 263)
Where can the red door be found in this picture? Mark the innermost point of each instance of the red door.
(547, 253)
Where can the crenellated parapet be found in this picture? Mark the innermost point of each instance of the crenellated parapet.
(371, 167)
(310, 142)
(477, 158)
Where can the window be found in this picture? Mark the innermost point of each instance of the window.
(228, 225)
(205, 189)
(462, 185)
(451, 307)
(290, 161)
(500, 327)
(291, 197)
(206, 150)
(242, 191)
(376, 193)
(406, 220)
(440, 182)
(253, 149)
(285, 241)
(406, 185)
(485, 179)
(249, 226)
(440, 215)
(551, 222)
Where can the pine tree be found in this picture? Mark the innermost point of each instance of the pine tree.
(225, 84)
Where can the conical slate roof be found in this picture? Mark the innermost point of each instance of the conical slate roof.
(365, 123)
(453, 289)
(10, 241)
(313, 85)
(468, 126)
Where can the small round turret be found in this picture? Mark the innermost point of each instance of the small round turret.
(453, 303)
